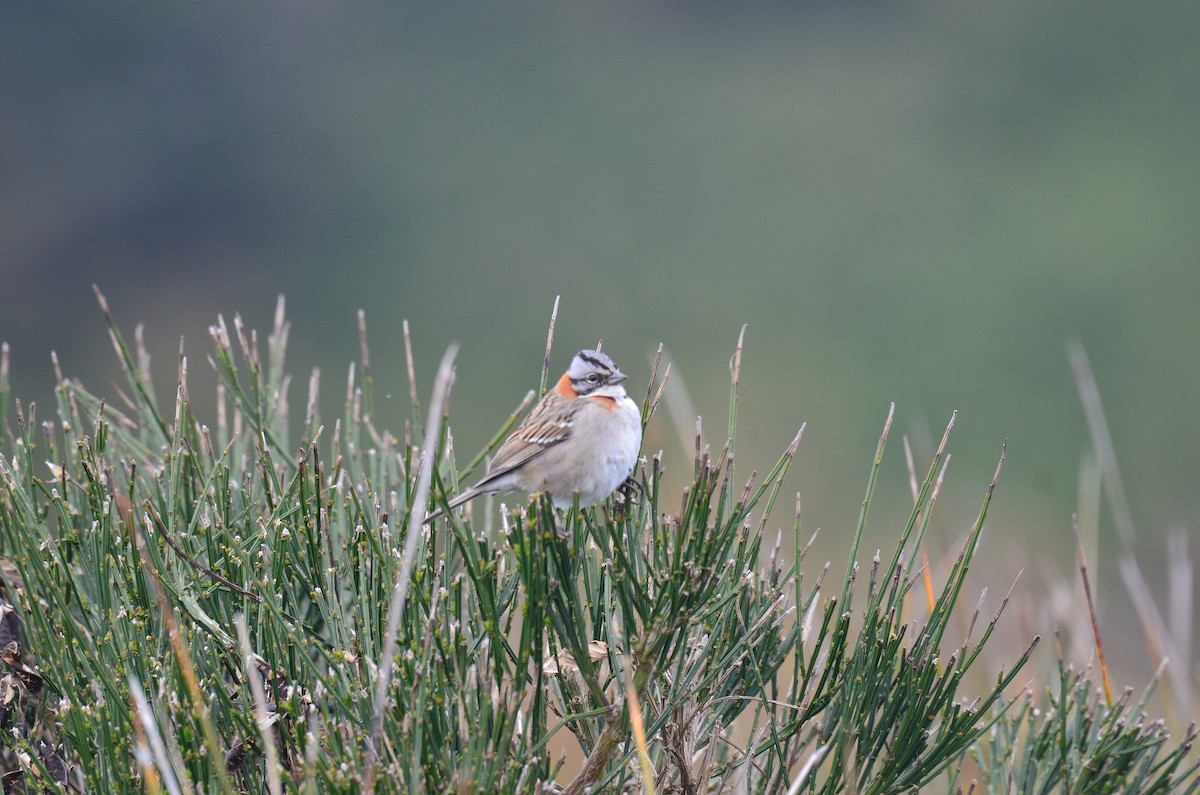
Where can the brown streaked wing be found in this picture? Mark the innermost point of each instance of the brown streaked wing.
(546, 425)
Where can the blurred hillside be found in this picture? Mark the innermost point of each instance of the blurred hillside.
(915, 203)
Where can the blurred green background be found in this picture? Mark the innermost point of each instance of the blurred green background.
(918, 203)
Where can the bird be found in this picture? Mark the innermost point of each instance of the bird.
(583, 438)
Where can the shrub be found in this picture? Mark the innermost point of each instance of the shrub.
(206, 608)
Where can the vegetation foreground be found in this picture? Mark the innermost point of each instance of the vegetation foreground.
(196, 608)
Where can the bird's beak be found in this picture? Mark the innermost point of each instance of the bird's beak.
(617, 377)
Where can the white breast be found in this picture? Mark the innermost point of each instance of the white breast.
(604, 448)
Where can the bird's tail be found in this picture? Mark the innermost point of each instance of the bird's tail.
(466, 496)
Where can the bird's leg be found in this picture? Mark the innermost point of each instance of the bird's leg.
(631, 483)
(623, 497)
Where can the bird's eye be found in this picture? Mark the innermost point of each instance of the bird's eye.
(593, 378)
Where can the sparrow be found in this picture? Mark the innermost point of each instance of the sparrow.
(583, 438)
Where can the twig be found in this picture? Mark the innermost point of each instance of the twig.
(809, 764)
(1087, 590)
(261, 717)
(161, 529)
(549, 345)
(916, 494)
(639, 732)
(412, 379)
(441, 386)
(186, 668)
